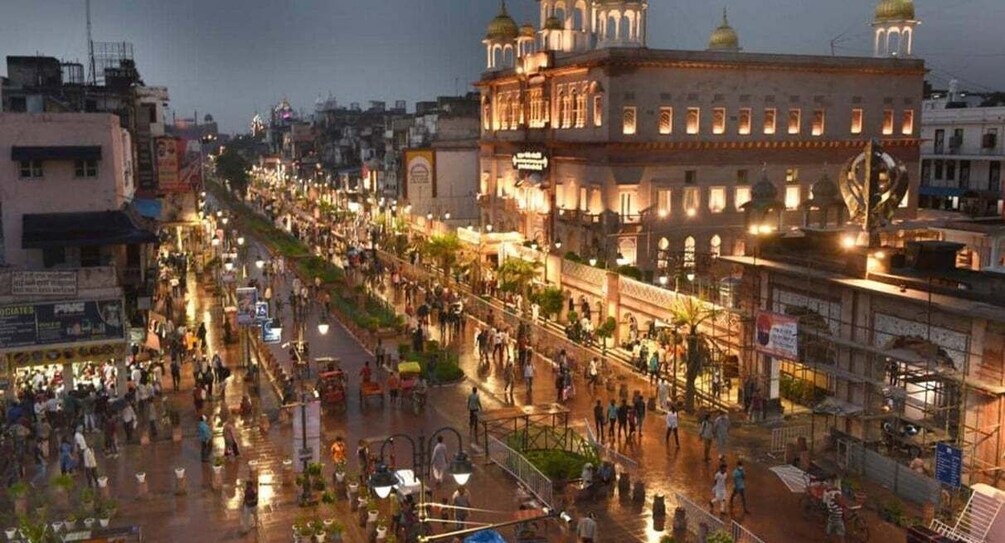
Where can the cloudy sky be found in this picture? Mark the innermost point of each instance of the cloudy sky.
(233, 57)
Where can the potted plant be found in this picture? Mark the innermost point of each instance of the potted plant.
(371, 510)
(302, 530)
(105, 510)
(337, 530)
(11, 533)
(340, 472)
(141, 477)
(381, 530)
(62, 487)
(87, 499)
(70, 523)
(89, 522)
(318, 529)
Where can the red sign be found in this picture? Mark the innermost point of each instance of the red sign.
(179, 164)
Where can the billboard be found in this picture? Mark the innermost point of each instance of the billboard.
(61, 322)
(179, 164)
(777, 335)
(420, 173)
(247, 300)
(166, 152)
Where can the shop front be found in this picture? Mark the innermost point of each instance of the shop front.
(57, 345)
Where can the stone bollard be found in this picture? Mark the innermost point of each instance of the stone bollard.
(216, 483)
(180, 482)
(351, 491)
(624, 484)
(145, 437)
(659, 506)
(288, 478)
(103, 489)
(176, 434)
(680, 524)
(142, 490)
(263, 423)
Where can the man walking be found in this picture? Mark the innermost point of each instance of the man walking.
(706, 434)
(623, 418)
(205, 438)
(612, 417)
(739, 486)
(673, 423)
(586, 529)
(721, 429)
(528, 375)
(474, 406)
(598, 419)
(719, 490)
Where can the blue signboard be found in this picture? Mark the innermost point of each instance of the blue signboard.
(261, 312)
(271, 335)
(948, 464)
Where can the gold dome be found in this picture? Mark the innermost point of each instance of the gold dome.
(724, 38)
(527, 31)
(895, 10)
(503, 27)
(552, 23)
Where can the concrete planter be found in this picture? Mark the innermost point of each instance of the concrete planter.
(11, 533)
(103, 522)
(141, 477)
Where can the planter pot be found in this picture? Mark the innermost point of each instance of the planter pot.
(176, 434)
(141, 477)
(102, 482)
(57, 526)
(382, 532)
(69, 525)
(340, 476)
(179, 473)
(88, 523)
(371, 516)
(103, 522)
(11, 533)
(217, 470)
(319, 537)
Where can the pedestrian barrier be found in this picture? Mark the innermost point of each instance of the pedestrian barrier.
(520, 468)
(780, 437)
(698, 516)
(743, 535)
(607, 452)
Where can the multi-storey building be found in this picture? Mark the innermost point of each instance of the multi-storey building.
(961, 157)
(591, 139)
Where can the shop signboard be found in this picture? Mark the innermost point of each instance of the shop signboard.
(167, 164)
(43, 283)
(777, 335)
(247, 298)
(60, 323)
(948, 464)
(261, 312)
(271, 333)
(530, 161)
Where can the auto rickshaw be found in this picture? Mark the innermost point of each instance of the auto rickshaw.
(331, 388)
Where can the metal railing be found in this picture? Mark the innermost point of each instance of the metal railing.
(780, 437)
(697, 516)
(974, 522)
(902, 480)
(743, 535)
(520, 468)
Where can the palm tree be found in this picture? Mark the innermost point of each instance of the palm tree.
(444, 248)
(690, 313)
(516, 274)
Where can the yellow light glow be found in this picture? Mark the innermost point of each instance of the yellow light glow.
(880, 255)
(662, 213)
(691, 212)
(848, 242)
(753, 230)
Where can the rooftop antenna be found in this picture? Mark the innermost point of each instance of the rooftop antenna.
(90, 44)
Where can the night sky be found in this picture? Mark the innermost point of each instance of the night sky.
(233, 57)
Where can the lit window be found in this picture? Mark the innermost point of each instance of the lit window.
(769, 121)
(792, 195)
(887, 122)
(666, 120)
(517, 112)
(719, 120)
(741, 195)
(663, 202)
(583, 199)
(579, 109)
(795, 120)
(856, 121)
(566, 115)
(908, 126)
(692, 200)
(791, 175)
(598, 110)
(30, 169)
(716, 199)
(689, 252)
(818, 122)
(715, 246)
(628, 120)
(743, 126)
(693, 120)
(85, 168)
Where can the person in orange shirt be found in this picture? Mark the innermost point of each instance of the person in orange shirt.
(393, 386)
(337, 453)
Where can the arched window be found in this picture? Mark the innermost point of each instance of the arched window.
(627, 248)
(566, 110)
(579, 16)
(611, 29)
(560, 13)
(508, 56)
(715, 246)
(625, 26)
(689, 257)
(497, 56)
(663, 255)
(486, 114)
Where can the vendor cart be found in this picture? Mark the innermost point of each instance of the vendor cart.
(370, 389)
(331, 388)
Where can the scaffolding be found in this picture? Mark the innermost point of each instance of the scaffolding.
(900, 386)
(110, 58)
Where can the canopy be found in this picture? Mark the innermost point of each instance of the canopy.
(81, 229)
(56, 152)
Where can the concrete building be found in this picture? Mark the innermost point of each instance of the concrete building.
(625, 153)
(961, 157)
(65, 194)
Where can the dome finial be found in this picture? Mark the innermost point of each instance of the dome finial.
(725, 19)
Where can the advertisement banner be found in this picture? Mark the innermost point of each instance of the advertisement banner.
(61, 322)
(43, 283)
(166, 150)
(247, 298)
(420, 173)
(189, 164)
(777, 335)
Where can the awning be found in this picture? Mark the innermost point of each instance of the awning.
(148, 208)
(56, 152)
(940, 191)
(83, 229)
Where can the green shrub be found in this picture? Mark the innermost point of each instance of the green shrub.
(557, 464)
(630, 271)
(573, 257)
